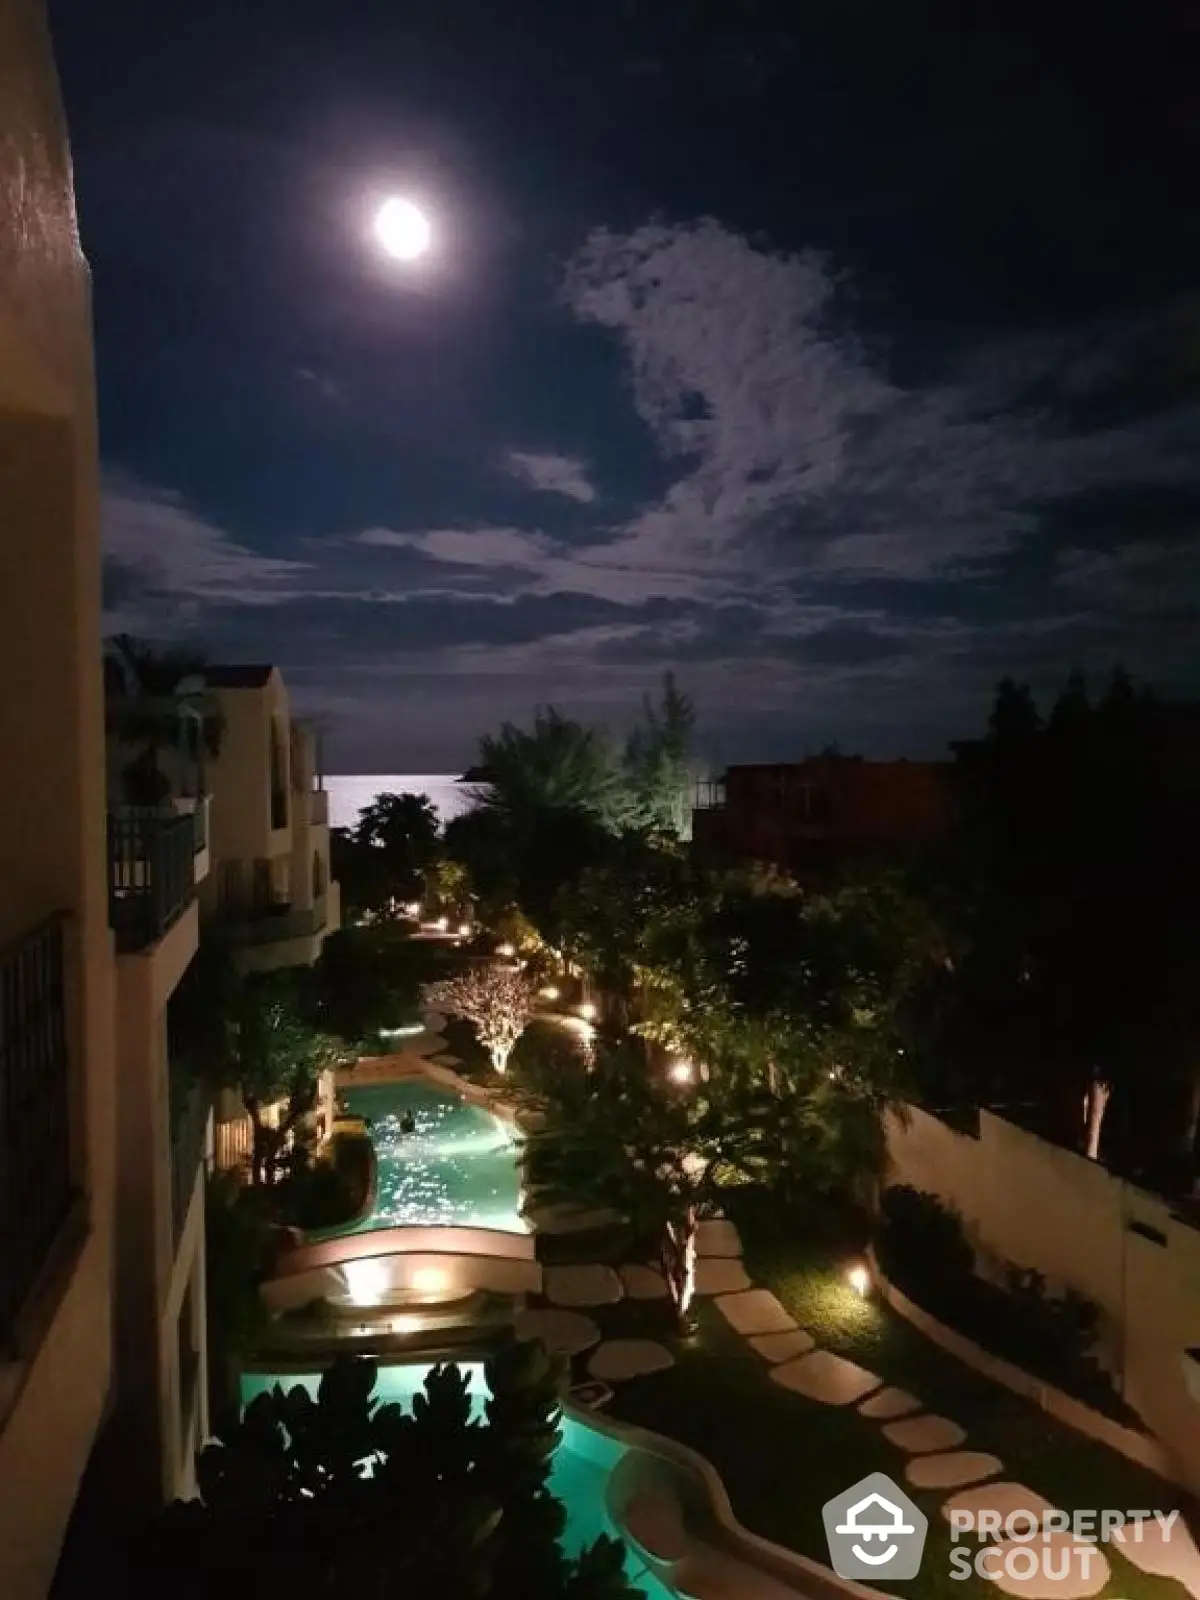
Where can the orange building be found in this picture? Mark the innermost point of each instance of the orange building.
(809, 816)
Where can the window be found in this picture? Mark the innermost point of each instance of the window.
(318, 875)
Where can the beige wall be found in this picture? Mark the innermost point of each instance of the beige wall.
(52, 841)
(1034, 1204)
(240, 776)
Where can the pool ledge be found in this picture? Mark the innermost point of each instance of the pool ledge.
(696, 1509)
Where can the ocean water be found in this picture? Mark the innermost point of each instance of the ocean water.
(348, 795)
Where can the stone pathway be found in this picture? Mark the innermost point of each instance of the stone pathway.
(566, 1333)
(581, 1286)
(617, 1360)
(933, 1444)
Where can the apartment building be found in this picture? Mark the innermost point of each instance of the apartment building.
(57, 980)
(271, 895)
(808, 817)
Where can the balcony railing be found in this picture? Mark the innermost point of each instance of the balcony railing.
(190, 1104)
(277, 923)
(35, 1144)
(151, 876)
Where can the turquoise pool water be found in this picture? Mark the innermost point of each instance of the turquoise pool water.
(582, 1464)
(458, 1168)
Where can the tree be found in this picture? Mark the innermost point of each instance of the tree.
(365, 979)
(497, 1000)
(559, 765)
(382, 862)
(450, 1506)
(658, 1153)
(274, 1055)
(156, 700)
(657, 765)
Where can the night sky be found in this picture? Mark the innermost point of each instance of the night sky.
(843, 361)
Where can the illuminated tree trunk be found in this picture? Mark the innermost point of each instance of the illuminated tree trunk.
(1095, 1104)
(679, 1264)
(499, 1050)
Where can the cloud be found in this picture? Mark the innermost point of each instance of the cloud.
(466, 547)
(796, 447)
(551, 473)
(164, 561)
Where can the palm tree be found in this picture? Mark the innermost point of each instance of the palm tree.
(157, 700)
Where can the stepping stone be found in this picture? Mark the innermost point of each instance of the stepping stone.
(716, 1237)
(1172, 1554)
(593, 1395)
(720, 1275)
(559, 1219)
(1084, 1568)
(826, 1377)
(754, 1311)
(889, 1403)
(582, 1286)
(642, 1283)
(953, 1470)
(775, 1347)
(564, 1333)
(617, 1360)
(1003, 1498)
(920, 1434)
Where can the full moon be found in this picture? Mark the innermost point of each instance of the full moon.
(403, 230)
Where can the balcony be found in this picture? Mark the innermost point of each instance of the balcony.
(318, 807)
(35, 1147)
(151, 874)
(275, 924)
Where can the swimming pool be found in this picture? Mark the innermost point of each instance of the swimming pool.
(583, 1463)
(458, 1167)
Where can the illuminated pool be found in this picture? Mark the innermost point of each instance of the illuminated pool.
(457, 1168)
(583, 1463)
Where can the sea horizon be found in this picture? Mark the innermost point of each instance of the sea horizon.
(350, 792)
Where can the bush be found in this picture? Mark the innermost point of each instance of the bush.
(921, 1242)
(332, 1190)
(923, 1250)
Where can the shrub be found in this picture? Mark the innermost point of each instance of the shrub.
(921, 1243)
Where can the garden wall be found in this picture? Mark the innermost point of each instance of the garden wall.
(1032, 1203)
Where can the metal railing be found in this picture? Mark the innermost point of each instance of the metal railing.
(151, 876)
(35, 1114)
(190, 1105)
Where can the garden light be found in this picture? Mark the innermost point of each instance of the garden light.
(413, 908)
(506, 950)
(442, 924)
(549, 992)
(464, 928)
(588, 1011)
(681, 1072)
(859, 1278)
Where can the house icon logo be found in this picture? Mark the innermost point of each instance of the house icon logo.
(875, 1531)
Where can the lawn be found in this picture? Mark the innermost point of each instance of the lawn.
(782, 1456)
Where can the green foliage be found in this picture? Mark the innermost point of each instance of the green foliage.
(365, 979)
(450, 1506)
(657, 768)
(155, 700)
(382, 862)
(330, 1191)
(558, 765)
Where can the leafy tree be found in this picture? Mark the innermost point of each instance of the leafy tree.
(497, 1000)
(273, 1055)
(658, 1153)
(382, 862)
(1075, 979)
(365, 979)
(558, 765)
(341, 1494)
(657, 765)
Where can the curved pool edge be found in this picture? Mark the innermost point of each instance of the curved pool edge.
(658, 1451)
